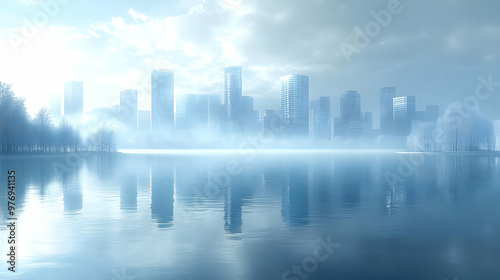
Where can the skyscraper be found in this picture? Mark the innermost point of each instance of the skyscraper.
(295, 105)
(272, 123)
(249, 117)
(350, 106)
(232, 99)
(128, 108)
(321, 118)
(404, 114)
(186, 113)
(386, 115)
(350, 123)
(210, 110)
(73, 101)
(162, 101)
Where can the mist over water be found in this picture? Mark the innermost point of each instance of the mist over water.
(232, 216)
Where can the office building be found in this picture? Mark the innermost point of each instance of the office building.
(162, 101)
(321, 126)
(232, 100)
(386, 115)
(73, 101)
(210, 110)
(186, 113)
(295, 105)
(249, 117)
(350, 123)
(404, 114)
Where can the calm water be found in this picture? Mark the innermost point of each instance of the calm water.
(139, 216)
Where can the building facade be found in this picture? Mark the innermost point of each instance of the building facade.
(386, 114)
(350, 123)
(321, 119)
(233, 88)
(162, 101)
(73, 101)
(295, 105)
(404, 108)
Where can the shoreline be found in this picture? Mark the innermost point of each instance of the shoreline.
(222, 151)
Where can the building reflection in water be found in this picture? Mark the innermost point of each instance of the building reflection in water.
(128, 189)
(321, 186)
(162, 193)
(295, 195)
(239, 191)
(232, 207)
(350, 174)
(72, 193)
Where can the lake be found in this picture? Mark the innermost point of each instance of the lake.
(272, 215)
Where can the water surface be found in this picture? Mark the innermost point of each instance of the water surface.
(240, 216)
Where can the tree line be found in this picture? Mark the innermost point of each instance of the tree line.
(19, 133)
(458, 129)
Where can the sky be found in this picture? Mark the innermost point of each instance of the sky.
(432, 49)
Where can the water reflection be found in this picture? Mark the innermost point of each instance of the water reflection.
(441, 218)
(295, 195)
(72, 194)
(162, 194)
(128, 190)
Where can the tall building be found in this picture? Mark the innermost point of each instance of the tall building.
(144, 121)
(496, 134)
(386, 115)
(431, 113)
(272, 124)
(162, 101)
(350, 123)
(73, 101)
(249, 117)
(321, 118)
(210, 110)
(420, 116)
(419, 119)
(232, 99)
(128, 108)
(404, 114)
(186, 111)
(350, 106)
(295, 105)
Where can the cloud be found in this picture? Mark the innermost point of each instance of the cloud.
(432, 49)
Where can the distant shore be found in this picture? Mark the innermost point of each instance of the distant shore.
(215, 151)
(58, 154)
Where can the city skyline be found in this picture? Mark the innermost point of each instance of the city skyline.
(95, 49)
(297, 109)
(384, 106)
